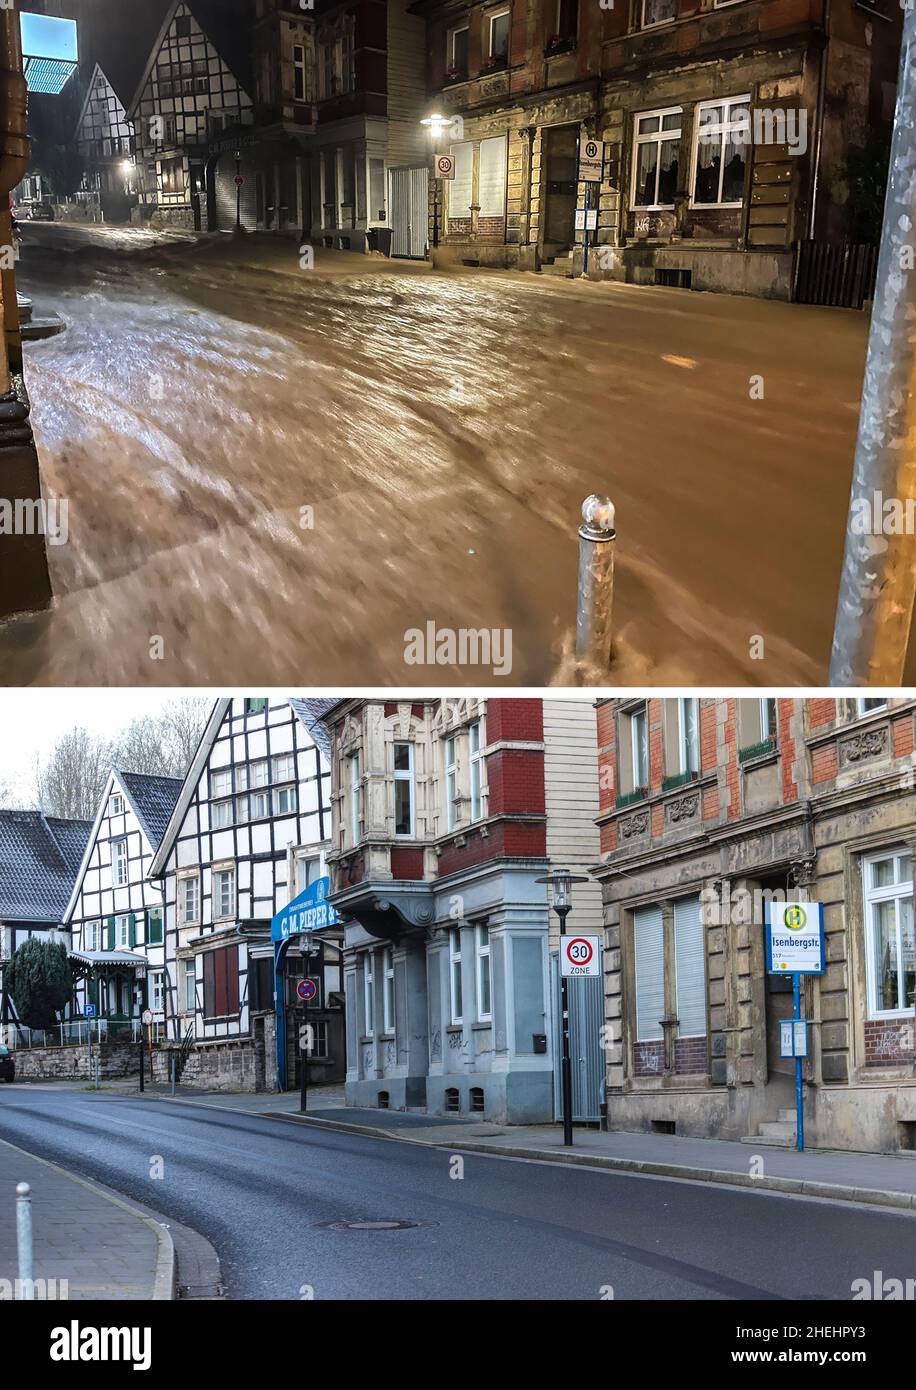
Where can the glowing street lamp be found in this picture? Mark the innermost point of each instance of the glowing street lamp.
(561, 881)
(436, 124)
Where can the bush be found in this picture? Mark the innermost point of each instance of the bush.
(39, 981)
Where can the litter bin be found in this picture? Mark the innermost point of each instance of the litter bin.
(379, 239)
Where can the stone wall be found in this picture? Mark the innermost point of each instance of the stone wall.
(115, 1060)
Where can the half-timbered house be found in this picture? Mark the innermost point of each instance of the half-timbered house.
(195, 87)
(105, 139)
(249, 832)
(39, 861)
(115, 913)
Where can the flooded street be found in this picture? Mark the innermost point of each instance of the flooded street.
(274, 473)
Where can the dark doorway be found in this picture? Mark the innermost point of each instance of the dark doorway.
(561, 144)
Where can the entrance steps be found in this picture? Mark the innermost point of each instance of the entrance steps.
(559, 265)
(778, 1133)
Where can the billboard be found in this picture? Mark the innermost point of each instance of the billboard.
(50, 52)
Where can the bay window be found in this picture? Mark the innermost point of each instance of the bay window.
(354, 799)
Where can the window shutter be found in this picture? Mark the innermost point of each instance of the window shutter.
(111, 933)
(649, 938)
(492, 185)
(131, 930)
(154, 926)
(690, 965)
(459, 193)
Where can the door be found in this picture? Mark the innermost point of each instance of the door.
(561, 146)
(586, 1020)
(409, 204)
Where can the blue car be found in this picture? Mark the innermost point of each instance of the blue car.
(7, 1064)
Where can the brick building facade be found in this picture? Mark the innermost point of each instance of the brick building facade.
(444, 815)
(710, 808)
(669, 86)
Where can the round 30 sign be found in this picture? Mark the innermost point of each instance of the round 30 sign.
(579, 955)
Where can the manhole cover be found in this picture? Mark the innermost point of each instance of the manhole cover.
(371, 1224)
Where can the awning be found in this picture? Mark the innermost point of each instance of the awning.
(127, 958)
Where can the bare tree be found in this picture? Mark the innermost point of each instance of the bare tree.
(70, 780)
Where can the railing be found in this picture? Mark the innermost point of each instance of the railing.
(75, 1034)
(841, 276)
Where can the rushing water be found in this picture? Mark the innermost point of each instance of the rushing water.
(273, 474)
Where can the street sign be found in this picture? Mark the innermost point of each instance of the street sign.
(591, 161)
(310, 911)
(586, 219)
(89, 1011)
(795, 938)
(793, 1037)
(239, 180)
(579, 955)
(306, 1038)
(147, 1016)
(445, 166)
(306, 989)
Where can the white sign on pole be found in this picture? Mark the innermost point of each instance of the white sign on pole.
(445, 166)
(591, 161)
(580, 955)
(586, 219)
(147, 1016)
(793, 1037)
(795, 938)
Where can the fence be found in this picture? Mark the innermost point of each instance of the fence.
(76, 1034)
(841, 275)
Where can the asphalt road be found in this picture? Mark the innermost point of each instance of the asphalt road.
(264, 1190)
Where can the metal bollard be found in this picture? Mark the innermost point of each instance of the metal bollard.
(24, 1241)
(595, 605)
(173, 1068)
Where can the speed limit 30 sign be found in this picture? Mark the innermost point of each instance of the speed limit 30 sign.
(580, 955)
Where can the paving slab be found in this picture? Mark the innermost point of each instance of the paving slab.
(83, 1234)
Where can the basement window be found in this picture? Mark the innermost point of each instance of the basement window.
(452, 1100)
(477, 1100)
(673, 279)
(384, 1100)
(664, 1127)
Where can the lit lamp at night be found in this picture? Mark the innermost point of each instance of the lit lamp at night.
(561, 882)
(436, 124)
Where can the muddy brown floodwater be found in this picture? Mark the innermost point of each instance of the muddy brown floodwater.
(274, 474)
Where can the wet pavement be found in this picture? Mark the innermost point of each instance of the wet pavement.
(274, 473)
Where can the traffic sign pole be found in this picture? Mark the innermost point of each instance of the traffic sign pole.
(566, 1066)
(799, 1096)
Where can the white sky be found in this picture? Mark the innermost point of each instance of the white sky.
(31, 721)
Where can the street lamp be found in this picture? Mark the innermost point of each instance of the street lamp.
(436, 124)
(561, 880)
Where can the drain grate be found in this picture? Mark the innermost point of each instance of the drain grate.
(369, 1223)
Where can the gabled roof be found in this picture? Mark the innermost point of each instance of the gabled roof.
(97, 71)
(309, 712)
(150, 798)
(226, 23)
(153, 800)
(39, 859)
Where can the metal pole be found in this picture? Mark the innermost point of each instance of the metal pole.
(595, 603)
(304, 1054)
(141, 1059)
(878, 581)
(238, 192)
(173, 1069)
(562, 913)
(799, 1097)
(24, 1240)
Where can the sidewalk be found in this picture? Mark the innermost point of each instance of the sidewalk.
(84, 1234)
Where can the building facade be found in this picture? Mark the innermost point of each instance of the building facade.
(725, 124)
(106, 142)
(115, 914)
(446, 813)
(250, 830)
(710, 809)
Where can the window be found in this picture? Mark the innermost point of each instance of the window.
(768, 719)
(649, 952)
(122, 932)
(190, 988)
(255, 706)
(189, 899)
(157, 991)
(259, 774)
(758, 726)
(658, 12)
(454, 975)
(476, 762)
(482, 958)
(221, 982)
(403, 789)
(284, 801)
(890, 946)
(221, 783)
(491, 191)
(93, 936)
(119, 862)
(388, 992)
(689, 735)
(308, 870)
(116, 805)
(656, 158)
(354, 799)
(721, 138)
(457, 55)
(221, 814)
(567, 19)
(451, 781)
(864, 707)
(460, 190)
(298, 72)
(172, 170)
(498, 46)
(368, 995)
(154, 926)
(183, 26)
(285, 768)
(223, 892)
(639, 750)
(690, 968)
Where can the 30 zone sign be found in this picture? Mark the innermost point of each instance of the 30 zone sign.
(579, 955)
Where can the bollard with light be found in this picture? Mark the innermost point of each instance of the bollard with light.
(561, 881)
(595, 602)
